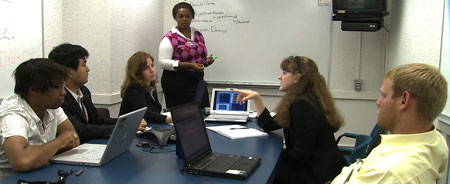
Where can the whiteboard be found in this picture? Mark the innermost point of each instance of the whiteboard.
(20, 38)
(445, 59)
(251, 37)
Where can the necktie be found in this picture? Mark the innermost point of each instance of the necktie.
(83, 109)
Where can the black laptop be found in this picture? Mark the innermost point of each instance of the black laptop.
(200, 92)
(199, 96)
(197, 154)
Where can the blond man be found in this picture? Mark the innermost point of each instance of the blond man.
(412, 96)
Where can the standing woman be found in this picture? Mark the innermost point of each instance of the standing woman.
(139, 90)
(309, 118)
(183, 56)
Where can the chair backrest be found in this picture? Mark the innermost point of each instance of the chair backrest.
(376, 139)
(103, 112)
(361, 144)
(375, 131)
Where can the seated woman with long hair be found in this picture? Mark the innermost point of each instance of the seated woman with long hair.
(139, 89)
(309, 118)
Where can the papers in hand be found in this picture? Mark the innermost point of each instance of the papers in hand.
(236, 131)
(166, 113)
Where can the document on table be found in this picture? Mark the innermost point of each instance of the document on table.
(237, 131)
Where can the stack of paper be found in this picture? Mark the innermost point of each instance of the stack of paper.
(236, 131)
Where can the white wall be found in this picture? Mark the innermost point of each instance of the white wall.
(356, 55)
(52, 24)
(415, 31)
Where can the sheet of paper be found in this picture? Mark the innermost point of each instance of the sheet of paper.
(166, 113)
(237, 131)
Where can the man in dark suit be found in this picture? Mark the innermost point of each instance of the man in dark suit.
(78, 104)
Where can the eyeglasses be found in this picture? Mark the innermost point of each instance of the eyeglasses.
(59, 86)
(297, 61)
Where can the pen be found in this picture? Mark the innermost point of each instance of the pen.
(238, 128)
(79, 172)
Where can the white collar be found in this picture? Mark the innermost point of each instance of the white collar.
(175, 30)
(77, 97)
(46, 117)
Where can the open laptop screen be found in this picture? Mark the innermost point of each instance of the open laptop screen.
(191, 130)
(225, 100)
(201, 95)
(200, 92)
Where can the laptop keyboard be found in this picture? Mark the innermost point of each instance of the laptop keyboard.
(93, 155)
(162, 129)
(227, 116)
(218, 162)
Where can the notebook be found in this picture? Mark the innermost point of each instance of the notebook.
(98, 154)
(197, 154)
(236, 131)
(225, 109)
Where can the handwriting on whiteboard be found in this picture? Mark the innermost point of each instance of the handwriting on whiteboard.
(209, 17)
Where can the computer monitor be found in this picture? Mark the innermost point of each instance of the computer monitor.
(367, 8)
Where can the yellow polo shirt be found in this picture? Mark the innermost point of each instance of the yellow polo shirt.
(401, 158)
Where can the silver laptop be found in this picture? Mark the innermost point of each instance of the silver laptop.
(98, 154)
(224, 107)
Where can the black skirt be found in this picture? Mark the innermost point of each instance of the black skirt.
(179, 87)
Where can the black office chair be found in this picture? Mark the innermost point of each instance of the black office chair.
(103, 112)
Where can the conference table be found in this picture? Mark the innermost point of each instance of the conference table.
(139, 165)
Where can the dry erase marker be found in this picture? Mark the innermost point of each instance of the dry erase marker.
(209, 62)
